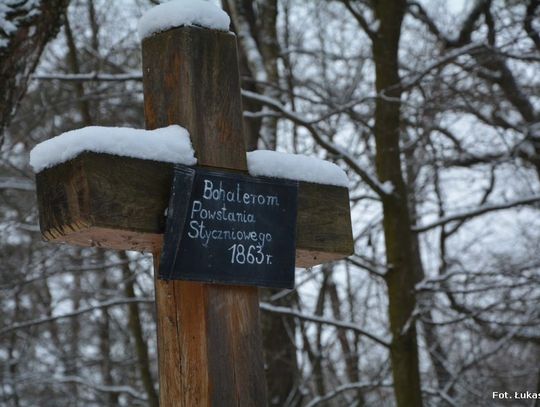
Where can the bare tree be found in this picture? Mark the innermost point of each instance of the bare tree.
(25, 28)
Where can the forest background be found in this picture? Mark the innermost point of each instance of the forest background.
(433, 109)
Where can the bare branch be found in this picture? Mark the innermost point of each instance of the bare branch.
(333, 148)
(476, 212)
(464, 36)
(528, 22)
(408, 83)
(84, 310)
(360, 19)
(90, 77)
(346, 387)
(325, 321)
(100, 387)
(18, 183)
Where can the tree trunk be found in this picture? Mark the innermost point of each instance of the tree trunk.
(105, 339)
(281, 366)
(135, 327)
(401, 277)
(349, 353)
(21, 48)
(426, 301)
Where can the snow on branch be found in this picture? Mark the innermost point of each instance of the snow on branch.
(100, 387)
(90, 76)
(322, 320)
(343, 388)
(333, 148)
(18, 183)
(146, 300)
(475, 212)
(77, 312)
(253, 55)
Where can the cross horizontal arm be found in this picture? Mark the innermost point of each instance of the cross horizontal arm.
(119, 203)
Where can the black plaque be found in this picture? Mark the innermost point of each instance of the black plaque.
(230, 228)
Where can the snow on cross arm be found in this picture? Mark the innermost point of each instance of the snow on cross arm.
(172, 144)
(296, 167)
(169, 144)
(179, 13)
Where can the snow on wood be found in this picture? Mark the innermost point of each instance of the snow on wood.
(183, 12)
(170, 144)
(296, 167)
(350, 160)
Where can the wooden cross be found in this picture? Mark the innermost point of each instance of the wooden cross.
(209, 340)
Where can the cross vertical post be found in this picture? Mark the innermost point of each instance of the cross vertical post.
(209, 338)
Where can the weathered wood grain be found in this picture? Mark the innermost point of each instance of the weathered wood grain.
(119, 203)
(190, 78)
(182, 345)
(104, 192)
